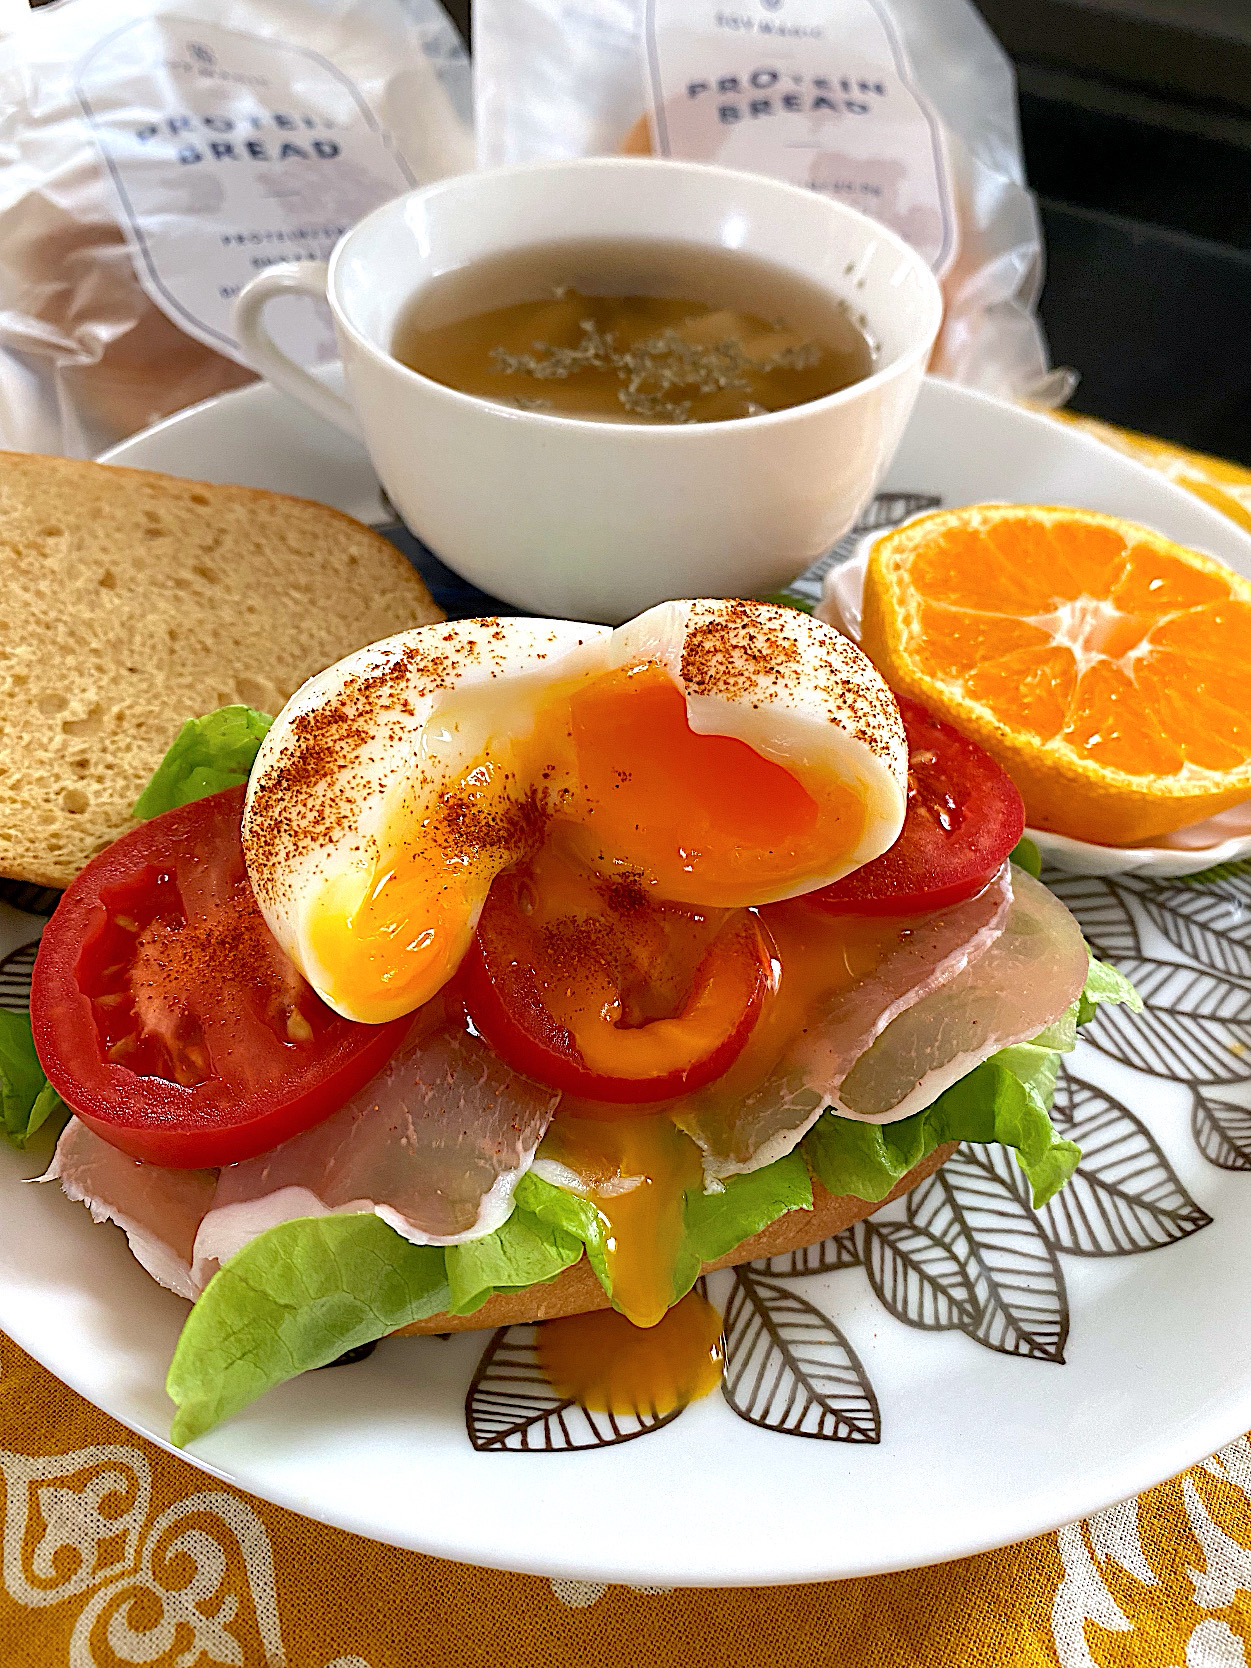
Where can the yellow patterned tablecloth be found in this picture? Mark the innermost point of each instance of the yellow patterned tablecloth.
(116, 1555)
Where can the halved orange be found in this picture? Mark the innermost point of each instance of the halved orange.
(1107, 669)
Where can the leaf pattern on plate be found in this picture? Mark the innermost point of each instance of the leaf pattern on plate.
(1210, 924)
(15, 972)
(788, 1368)
(888, 509)
(511, 1407)
(29, 898)
(973, 1206)
(1125, 1196)
(1221, 1126)
(1101, 912)
(1197, 1026)
(839, 1251)
(918, 1277)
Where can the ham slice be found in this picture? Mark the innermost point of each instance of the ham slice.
(768, 1123)
(1032, 974)
(1214, 831)
(434, 1145)
(159, 1210)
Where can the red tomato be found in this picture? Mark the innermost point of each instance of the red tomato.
(568, 1009)
(165, 1013)
(964, 817)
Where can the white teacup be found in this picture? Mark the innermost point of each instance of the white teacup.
(599, 520)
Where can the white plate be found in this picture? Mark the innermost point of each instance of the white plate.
(978, 1447)
(1221, 839)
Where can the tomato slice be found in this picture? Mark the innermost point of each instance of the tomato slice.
(963, 819)
(168, 1018)
(579, 1002)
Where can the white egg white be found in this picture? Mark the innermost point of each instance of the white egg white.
(418, 710)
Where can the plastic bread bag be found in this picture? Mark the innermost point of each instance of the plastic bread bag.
(905, 109)
(153, 156)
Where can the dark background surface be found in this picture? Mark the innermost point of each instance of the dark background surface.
(1136, 117)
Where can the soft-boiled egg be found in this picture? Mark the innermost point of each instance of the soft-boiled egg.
(736, 753)
(717, 753)
(389, 793)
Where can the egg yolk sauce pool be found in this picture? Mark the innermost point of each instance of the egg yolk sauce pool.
(607, 1364)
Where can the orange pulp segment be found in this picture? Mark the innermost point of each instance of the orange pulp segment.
(1106, 668)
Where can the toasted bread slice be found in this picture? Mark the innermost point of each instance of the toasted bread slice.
(131, 602)
(577, 1291)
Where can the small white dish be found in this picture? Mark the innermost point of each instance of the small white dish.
(1221, 839)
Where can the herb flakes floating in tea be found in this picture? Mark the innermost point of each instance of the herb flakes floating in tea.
(651, 370)
(626, 331)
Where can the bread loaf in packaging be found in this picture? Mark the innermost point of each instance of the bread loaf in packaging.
(905, 109)
(151, 163)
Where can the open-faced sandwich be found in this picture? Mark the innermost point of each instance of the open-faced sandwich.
(538, 968)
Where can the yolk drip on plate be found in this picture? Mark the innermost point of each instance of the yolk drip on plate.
(609, 1366)
(613, 764)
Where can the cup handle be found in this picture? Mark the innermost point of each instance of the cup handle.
(289, 278)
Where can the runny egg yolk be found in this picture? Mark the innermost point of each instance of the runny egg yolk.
(638, 1171)
(387, 937)
(612, 767)
(605, 1364)
(705, 818)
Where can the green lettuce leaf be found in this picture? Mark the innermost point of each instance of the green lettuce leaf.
(714, 1225)
(991, 1104)
(27, 1099)
(302, 1294)
(790, 599)
(297, 1297)
(1026, 855)
(526, 1251)
(1105, 984)
(305, 1292)
(573, 1215)
(1006, 1099)
(211, 754)
(718, 1222)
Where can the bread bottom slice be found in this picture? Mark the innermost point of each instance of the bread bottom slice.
(577, 1291)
